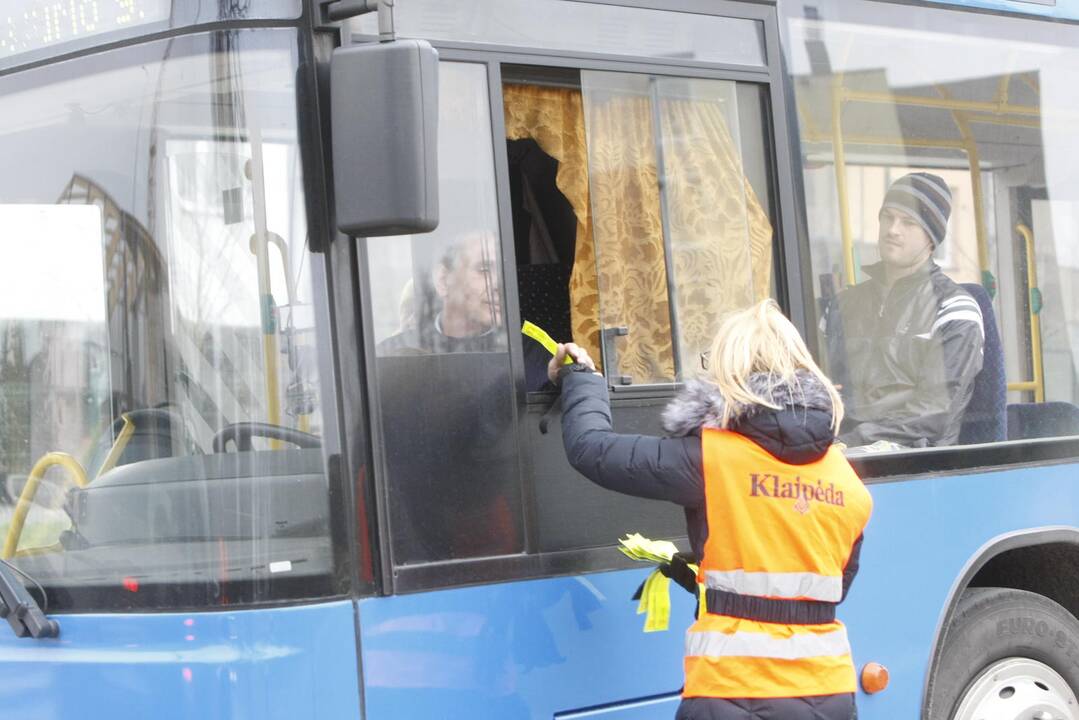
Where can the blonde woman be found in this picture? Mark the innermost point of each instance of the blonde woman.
(774, 512)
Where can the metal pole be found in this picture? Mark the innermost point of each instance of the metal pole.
(26, 497)
(843, 198)
(991, 107)
(386, 31)
(267, 307)
(971, 146)
(1038, 381)
(668, 254)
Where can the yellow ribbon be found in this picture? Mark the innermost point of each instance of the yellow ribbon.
(655, 602)
(540, 335)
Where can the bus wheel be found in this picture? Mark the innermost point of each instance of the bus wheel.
(1008, 654)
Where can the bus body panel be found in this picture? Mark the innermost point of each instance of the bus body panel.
(923, 533)
(562, 645)
(297, 662)
(523, 650)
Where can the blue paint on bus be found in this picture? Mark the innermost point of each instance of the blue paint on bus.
(567, 647)
(548, 647)
(294, 663)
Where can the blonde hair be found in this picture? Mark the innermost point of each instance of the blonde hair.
(756, 340)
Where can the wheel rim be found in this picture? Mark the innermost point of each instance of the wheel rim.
(1018, 689)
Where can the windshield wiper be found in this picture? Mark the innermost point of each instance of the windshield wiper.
(19, 608)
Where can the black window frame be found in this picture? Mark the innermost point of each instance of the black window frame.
(789, 272)
(794, 288)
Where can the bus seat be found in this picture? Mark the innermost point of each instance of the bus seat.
(1046, 419)
(544, 294)
(986, 418)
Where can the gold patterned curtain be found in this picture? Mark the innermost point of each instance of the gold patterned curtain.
(628, 230)
(721, 239)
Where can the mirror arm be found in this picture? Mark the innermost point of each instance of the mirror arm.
(337, 10)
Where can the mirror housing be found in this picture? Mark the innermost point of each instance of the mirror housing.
(384, 115)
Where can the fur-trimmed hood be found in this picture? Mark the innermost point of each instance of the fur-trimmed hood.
(798, 432)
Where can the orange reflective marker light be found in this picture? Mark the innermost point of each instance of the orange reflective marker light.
(874, 677)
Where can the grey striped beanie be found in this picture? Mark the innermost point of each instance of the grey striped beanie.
(927, 198)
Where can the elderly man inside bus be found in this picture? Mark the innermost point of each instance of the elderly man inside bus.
(460, 310)
(906, 344)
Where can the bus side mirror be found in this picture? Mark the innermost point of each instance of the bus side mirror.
(384, 115)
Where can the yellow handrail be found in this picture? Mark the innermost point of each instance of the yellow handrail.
(18, 518)
(118, 447)
(975, 163)
(846, 234)
(990, 107)
(260, 247)
(1037, 384)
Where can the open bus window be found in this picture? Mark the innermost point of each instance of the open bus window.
(156, 369)
(996, 130)
(641, 214)
(640, 211)
(444, 385)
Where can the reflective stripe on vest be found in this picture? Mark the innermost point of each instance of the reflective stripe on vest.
(764, 645)
(749, 677)
(809, 586)
(732, 658)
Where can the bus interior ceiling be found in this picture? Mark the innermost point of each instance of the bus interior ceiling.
(999, 117)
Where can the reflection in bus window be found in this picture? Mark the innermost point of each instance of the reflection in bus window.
(444, 385)
(996, 129)
(156, 338)
(55, 313)
(459, 309)
(622, 241)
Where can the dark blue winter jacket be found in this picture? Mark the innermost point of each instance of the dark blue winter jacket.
(669, 468)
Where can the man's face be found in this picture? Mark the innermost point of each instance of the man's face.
(901, 240)
(471, 297)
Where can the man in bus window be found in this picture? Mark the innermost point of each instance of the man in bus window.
(460, 311)
(906, 344)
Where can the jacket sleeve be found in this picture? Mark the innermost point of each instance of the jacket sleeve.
(932, 411)
(640, 465)
(851, 568)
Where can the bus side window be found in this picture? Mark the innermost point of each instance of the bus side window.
(640, 213)
(993, 358)
(443, 381)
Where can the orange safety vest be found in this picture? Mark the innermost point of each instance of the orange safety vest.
(779, 537)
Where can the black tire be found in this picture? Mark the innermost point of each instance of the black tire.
(991, 624)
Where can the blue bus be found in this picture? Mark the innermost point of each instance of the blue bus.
(258, 459)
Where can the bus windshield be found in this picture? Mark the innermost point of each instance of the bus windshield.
(158, 388)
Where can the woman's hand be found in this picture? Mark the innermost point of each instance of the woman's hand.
(577, 353)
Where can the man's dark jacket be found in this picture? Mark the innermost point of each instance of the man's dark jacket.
(906, 358)
(671, 468)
